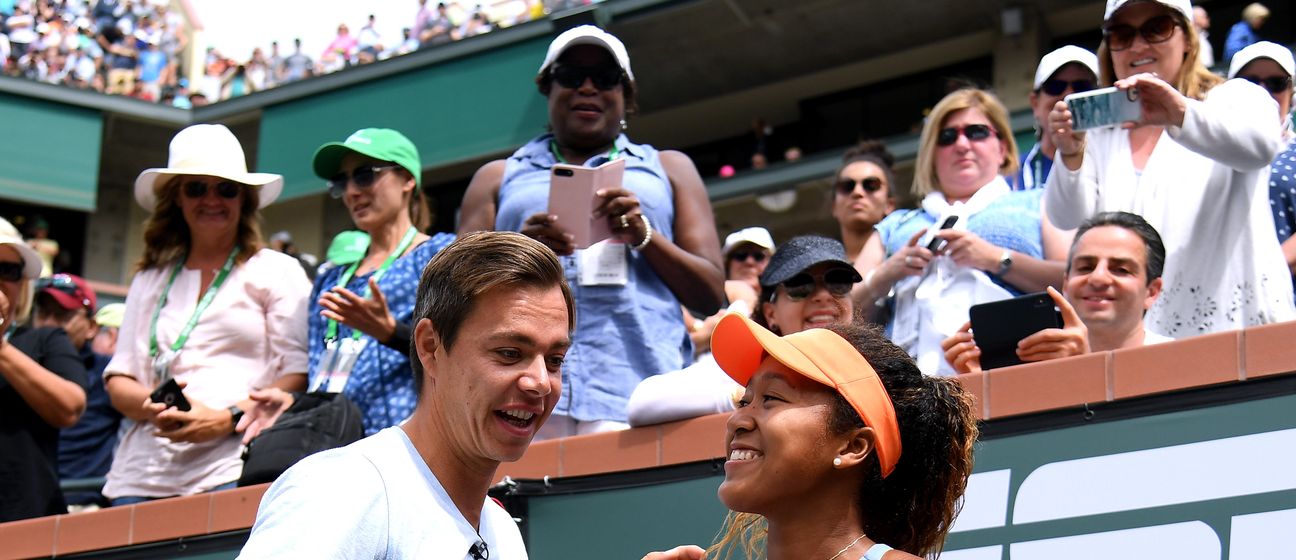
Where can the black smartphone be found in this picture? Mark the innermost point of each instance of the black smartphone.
(998, 326)
(937, 243)
(169, 394)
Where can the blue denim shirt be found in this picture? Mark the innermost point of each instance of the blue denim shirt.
(623, 333)
(381, 382)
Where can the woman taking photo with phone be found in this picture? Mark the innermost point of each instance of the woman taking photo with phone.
(664, 249)
(996, 244)
(210, 309)
(1193, 166)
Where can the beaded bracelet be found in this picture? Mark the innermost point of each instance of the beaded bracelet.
(648, 237)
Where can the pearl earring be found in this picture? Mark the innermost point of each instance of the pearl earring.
(836, 461)
(623, 125)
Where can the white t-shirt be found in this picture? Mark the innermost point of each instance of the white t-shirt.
(375, 498)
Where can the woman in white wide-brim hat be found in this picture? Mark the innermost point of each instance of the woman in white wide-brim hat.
(211, 308)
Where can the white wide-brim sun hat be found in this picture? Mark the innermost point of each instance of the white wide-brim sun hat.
(206, 149)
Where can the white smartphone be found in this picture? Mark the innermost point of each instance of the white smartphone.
(1106, 107)
(572, 199)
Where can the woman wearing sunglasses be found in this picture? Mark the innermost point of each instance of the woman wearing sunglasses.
(43, 389)
(840, 448)
(211, 309)
(971, 240)
(806, 285)
(664, 249)
(1193, 166)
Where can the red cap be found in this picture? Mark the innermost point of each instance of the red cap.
(69, 290)
(739, 345)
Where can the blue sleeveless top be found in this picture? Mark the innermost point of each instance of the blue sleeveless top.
(623, 333)
(1012, 222)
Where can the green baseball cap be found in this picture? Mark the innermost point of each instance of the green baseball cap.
(348, 247)
(379, 143)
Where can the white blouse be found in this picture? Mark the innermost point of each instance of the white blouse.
(1204, 188)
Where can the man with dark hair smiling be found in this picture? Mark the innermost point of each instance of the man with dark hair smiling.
(1113, 277)
(493, 324)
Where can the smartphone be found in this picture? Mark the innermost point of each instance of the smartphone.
(936, 243)
(169, 394)
(572, 199)
(1104, 107)
(998, 326)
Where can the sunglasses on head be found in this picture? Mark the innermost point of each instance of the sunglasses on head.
(363, 177)
(974, 133)
(870, 184)
(11, 271)
(1272, 84)
(837, 281)
(1155, 30)
(572, 77)
(1058, 87)
(755, 256)
(197, 189)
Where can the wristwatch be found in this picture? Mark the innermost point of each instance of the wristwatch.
(1005, 262)
(236, 414)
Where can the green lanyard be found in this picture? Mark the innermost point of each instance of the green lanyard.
(553, 148)
(331, 332)
(206, 300)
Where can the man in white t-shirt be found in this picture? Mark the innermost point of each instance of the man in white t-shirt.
(493, 323)
(1113, 277)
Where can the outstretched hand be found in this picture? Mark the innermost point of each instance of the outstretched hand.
(369, 316)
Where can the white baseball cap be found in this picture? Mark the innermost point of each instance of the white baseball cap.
(31, 260)
(758, 236)
(1184, 7)
(587, 35)
(205, 149)
(1264, 49)
(1054, 61)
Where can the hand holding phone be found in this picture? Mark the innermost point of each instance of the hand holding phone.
(998, 326)
(169, 394)
(936, 243)
(1105, 107)
(572, 199)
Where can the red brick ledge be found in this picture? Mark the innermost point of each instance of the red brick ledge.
(1230, 357)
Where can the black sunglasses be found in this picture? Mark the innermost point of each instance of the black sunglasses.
(11, 271)
(362, 176)
(1058, 87)
(572, 77)
(870, 184)
(974, 132)
(1273, 84)
(755, 256)
(1155, 30)
(838, 281)
(198, 189)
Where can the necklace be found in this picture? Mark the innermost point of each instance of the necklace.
(847, 547)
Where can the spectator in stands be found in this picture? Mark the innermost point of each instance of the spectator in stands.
(881, 453)
(437, 30)
(258, 70)
(297, 66)
(343, 46)
(209, 308)
(236, 83)
(43, 390)
(1113, 278)
(1191, 166)
(997, 246)
(198, 99)
(1067, 70)
(274, 66)
(364, 311)
(1246, 32)
(121, 60)
(1271, 66)
(368, 39)
(807, 285)
(421, 19)
(746, 254)
(152, 64)
(494, 319)
(664, 250)
(409, 43)
(109, 318)
(85, 449)
(47, 248)
(1201, 21)
(861, 197)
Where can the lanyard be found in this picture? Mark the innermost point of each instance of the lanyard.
(332, 332)
(553, 148)
(206, 300)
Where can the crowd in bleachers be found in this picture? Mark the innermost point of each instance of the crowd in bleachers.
(136, 47)
(1112, 225)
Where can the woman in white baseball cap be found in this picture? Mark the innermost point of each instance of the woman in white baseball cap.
(210, 308)
(1192, 166)
(664, 249)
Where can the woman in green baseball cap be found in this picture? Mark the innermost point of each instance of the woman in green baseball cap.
(360, 310)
